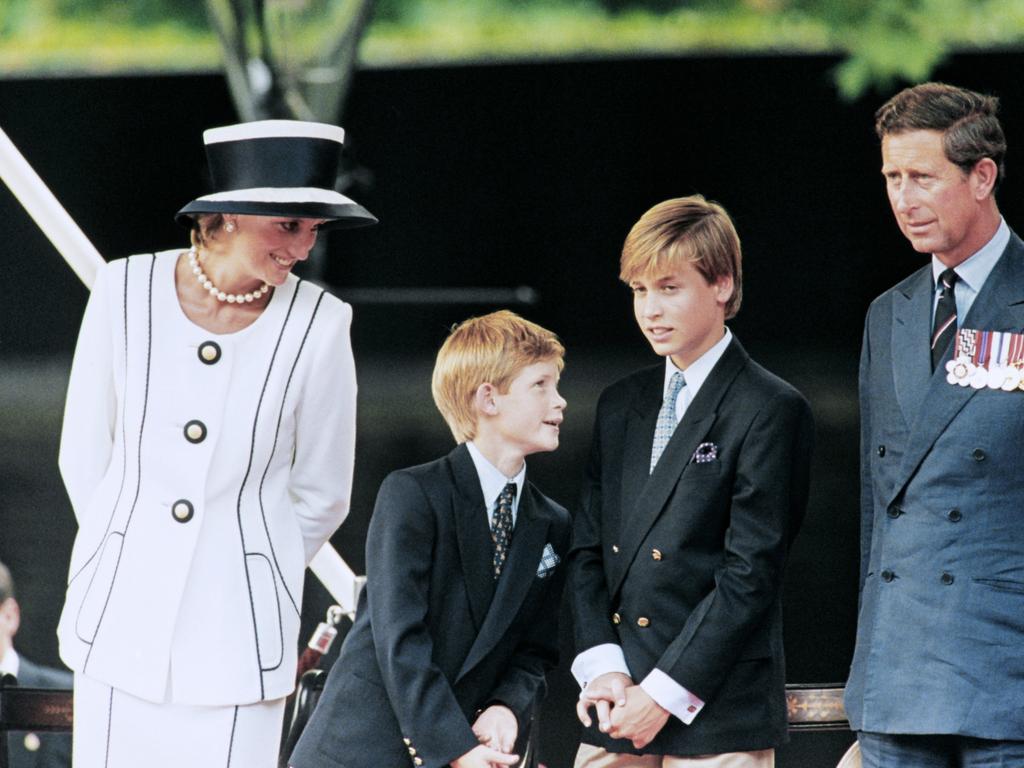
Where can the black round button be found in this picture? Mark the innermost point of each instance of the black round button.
(195, 431)
(209, 352)
(881, 451)
(978, 455)
(182, 510)
(894, 511)
(888, 575)
(947, 579)
(954, 515)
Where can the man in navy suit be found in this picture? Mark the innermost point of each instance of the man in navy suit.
(696, 486)
(937, 679)
(29, 750)
(457, 624)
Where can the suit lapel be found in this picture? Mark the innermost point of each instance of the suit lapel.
(528, 539)
(642, 510)
(474, 535)
(999, 306)
(911, 336)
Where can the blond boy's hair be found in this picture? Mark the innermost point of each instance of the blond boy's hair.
(490, 349)
(686, 229)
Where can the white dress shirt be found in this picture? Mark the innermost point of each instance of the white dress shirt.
(492, 482)
(972, 273)
(608, 657)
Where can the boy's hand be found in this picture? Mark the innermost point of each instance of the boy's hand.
(639, 720)
(484, 757)
(602, 693)
(497, 728)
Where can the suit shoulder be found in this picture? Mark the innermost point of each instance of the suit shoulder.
(904, 286)
(623, 390)
(768, 386)
(32, 675)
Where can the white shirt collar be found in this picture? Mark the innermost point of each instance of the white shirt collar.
(698, 370)
(975, 270)
(10, 664)
(492, 481)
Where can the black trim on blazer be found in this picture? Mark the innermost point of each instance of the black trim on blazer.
(142, 427)
(273, 448)
(124, 440)
(241, 491)
(231, 739)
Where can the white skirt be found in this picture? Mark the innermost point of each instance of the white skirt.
(114, 729)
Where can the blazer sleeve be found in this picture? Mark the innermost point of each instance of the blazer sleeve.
(768, 500)
(588, 585)
(400, 544)
(87, 436)
(320, 483)
(523, 682)
(867, 505)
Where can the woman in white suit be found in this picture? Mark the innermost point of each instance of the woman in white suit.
(207, 449)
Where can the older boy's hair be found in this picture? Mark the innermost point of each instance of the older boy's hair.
(686, 229)
(490, 349)
(968, 122)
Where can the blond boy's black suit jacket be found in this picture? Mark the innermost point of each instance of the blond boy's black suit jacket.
(683, 567)
(436, 638)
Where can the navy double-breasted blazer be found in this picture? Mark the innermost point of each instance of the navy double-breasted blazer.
(683, 568)
(436, 639)
(940, 635)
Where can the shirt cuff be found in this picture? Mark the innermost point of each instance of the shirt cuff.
(597, 661)
(671, 695)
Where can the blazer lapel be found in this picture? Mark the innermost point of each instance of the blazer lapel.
(911, 337)
(528, 539)
(1000, 307)
(645, 508)
(473, 533)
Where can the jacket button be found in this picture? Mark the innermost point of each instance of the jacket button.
(182, 510)
(195, 431)
(209, 352)
(615, 549)
(643, 621)
(978, 455)
(881, 451)
(412, 751)
(417, 761)
(888, 575)
(894, 511)
(407, 742)
(616, 619)
(947, 578)
(954, 515)
(656, 554)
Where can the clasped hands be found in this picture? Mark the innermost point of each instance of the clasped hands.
(624, 710)
(496, 728)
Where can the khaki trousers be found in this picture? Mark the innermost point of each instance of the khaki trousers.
(596, 757)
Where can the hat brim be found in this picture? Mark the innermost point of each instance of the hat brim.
(347, 215)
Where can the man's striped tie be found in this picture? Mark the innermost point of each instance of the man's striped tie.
(944, 328)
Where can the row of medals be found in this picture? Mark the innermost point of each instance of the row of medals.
(965, 373)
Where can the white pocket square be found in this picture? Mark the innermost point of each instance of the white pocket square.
(548, 561)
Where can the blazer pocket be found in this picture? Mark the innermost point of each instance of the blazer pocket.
(97, 591)
(266, 610)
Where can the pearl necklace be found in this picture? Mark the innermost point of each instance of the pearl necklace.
(217, 293)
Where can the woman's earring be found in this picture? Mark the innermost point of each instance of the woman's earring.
(230, 226)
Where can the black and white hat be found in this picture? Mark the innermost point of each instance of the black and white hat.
(277, 168)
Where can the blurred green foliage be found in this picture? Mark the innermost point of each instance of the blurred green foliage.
(884, 41)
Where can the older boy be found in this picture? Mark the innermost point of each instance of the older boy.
(697, 484)
(457, 624)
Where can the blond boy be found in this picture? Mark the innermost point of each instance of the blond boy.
(457, 624)
(696, 486)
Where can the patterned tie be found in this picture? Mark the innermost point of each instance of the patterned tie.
(944, 328)
(501, 526)
(666, 418)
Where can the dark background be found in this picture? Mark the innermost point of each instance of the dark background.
(497, 177)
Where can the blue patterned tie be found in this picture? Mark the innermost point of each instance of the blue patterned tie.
(501, 526)
(666, 418)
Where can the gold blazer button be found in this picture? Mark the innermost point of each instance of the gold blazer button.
(616, 619)
(643, 621)
(656, 554)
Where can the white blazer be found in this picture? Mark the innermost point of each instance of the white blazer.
(205, 471)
